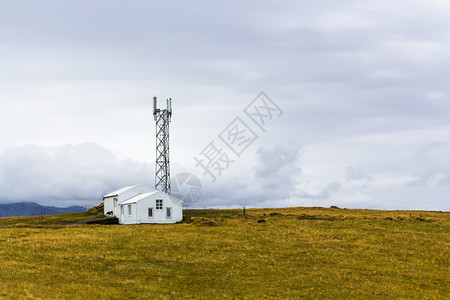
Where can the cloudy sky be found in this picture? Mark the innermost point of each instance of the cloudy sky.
(359, 90)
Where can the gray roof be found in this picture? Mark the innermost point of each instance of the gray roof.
(145, 195)
(122, 190)
(137, 198)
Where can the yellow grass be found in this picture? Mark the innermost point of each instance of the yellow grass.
(297, 252)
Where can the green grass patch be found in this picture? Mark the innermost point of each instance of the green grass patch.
(296, 253)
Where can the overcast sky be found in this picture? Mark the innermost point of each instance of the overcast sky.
(359, 90)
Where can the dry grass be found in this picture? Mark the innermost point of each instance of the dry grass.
(296, 252)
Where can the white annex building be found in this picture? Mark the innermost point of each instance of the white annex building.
(139, 203)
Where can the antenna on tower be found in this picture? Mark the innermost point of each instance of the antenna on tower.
(162, 172)
(154, 105)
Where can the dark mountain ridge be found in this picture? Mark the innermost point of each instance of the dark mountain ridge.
(24, 209)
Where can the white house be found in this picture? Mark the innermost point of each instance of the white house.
(112, 200)
(151, 207)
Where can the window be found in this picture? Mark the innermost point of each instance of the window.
(168, 212)
(150, 212)
(129, 210)
(159, 204)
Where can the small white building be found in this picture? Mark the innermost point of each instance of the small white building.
(152, 207)
(139, 203)
(112, 200)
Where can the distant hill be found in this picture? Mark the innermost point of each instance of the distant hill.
(23, 209)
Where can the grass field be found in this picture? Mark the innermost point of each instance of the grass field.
(269, 253)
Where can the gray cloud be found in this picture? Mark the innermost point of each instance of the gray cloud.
(325, 193)
(277, 161)
(433, 164)
(277, 169)
(75, 173)
(346, 74)
(273, 179)
(356, 174)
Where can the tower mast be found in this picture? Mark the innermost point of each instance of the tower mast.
(162, 167)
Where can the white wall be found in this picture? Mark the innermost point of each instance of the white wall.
(139, 210)
(109, 201)
(108, 205)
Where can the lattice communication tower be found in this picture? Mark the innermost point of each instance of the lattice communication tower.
(162, 118)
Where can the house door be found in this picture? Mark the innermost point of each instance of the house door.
(115, 207)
